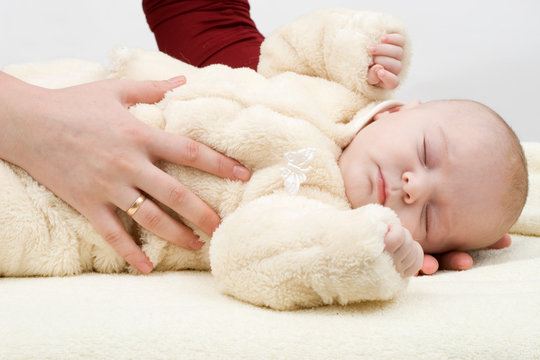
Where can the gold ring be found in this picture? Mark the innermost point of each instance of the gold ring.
(136, 205)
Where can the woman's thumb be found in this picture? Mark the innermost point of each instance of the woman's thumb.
(150, 91)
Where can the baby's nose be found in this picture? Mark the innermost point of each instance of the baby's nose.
(412, 187)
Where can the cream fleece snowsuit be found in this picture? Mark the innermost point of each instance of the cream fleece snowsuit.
(289, 237)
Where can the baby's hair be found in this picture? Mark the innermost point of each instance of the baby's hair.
(514, 161)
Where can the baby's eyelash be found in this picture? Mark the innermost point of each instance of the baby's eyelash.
(427, 220)
(425, 152)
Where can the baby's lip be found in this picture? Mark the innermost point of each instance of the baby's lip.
(381, 188)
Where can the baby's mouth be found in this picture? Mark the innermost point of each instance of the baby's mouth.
(381, 188)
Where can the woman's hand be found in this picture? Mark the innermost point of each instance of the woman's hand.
(387, 56)
(83, 144)
(456, 260)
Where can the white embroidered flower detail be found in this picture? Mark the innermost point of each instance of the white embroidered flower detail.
(297, 166)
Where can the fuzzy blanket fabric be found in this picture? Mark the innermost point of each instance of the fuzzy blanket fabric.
(489, 312)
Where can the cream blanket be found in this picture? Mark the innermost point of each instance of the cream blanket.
(489, 312)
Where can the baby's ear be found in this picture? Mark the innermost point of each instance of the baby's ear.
(502, 243)
(411, 104)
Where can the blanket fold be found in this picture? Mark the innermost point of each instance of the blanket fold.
(529, 221)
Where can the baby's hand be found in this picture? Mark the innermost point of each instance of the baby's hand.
(387, 56)
(406, 253)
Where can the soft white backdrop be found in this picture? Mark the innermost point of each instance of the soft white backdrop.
(484, 50)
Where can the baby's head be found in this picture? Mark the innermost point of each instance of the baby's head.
(452, 170)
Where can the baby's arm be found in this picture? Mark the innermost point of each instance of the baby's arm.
(387, 57)
(406, 253)
(290, 251)
(335, 45)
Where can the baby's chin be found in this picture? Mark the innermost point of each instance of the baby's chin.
(359, 201)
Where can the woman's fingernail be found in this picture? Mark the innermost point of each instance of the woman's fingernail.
(241, 173)
(144, 267)
(177, 80)
(372, 48)
(196, 244)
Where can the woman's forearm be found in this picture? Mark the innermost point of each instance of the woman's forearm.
(19, 101)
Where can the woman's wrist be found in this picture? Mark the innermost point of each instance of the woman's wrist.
(20, 103)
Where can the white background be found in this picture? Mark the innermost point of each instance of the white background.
(484, 50)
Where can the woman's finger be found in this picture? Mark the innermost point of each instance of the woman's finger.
(154, 219)
(430, 265)
(502, 243)
(109, 226)
(165, 189)
(132, 92)
(185, 151)
(455, 260)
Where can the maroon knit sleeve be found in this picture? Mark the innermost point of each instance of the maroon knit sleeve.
(205, 32)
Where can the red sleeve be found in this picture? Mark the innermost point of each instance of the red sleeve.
(205, 32)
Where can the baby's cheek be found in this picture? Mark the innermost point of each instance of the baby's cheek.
(356, 185)
(411, 223)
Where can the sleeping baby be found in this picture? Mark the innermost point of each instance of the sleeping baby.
(347, 187)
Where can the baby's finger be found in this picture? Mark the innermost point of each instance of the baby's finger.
(184, 151)
(394, 39)
(390, 64)
(411, 270)
(388, 50)
(393, 238)
(400, 255)
(165, 189)
(372, 78)
(109, 226)
(388, 80)
(408, 245)
(413, 261)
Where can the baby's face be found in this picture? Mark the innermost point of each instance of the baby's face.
(434, 171)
